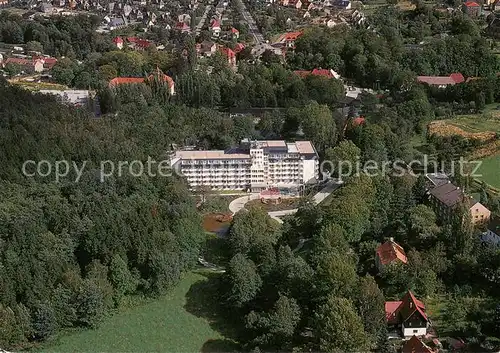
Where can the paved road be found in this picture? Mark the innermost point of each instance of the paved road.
(239, 203)
(252, 26)
(203, 18)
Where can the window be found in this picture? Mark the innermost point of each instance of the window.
(415, 331)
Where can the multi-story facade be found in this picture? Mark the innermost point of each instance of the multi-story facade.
(255, 166)
(445, 197)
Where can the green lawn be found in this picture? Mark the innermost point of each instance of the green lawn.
(490, 169)
(182, 321)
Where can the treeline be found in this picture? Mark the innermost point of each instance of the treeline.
(312, 283)
(70, 252)
(69, 36)
(390, 54)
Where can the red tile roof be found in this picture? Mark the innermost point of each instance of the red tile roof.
(315, 72)
(239, 47)
(415, 345)
(48, 63)
(135, 80)
(182, 25)
(22, 61)
(125, 81)
(139, 42)
(322, 72)
(457, 77)
(289, 36)
(471, 4)
(390, 311)
(215, 23)
(391, 251)
(397, 312)
(453, 79)
(228, 52)
(358, 121)
(234, 30)
(117, 40)
(302, 73)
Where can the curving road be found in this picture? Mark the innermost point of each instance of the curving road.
(239, 203)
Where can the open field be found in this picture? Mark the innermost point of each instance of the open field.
(484, 128)
(177, 322)
(490, 169)
(469, 126)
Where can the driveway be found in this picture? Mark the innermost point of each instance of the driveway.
(239, 203)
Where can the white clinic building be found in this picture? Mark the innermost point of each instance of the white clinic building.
(255, 166)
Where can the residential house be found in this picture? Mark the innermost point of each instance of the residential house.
(288, 39)
(206, 48)
(408, 316)
(259, 49)
(118, 41)
(318, 72)
(330, 23)
(415, 345)
(358, 121)
(127, 10)
(184, 18)
(158, 75)
(4, 3)
(479, 213)
(47, 8)
(388, 253)
(235, 34)
(183, 27)
(442, 81)
(342, 4)
(357, 17)
(492, 233)
(230, 55)
(295, 3)
(215, 28)
(138, 43)
(115, 23)
(239, 47)
(446, 197)
(436, 179)
(28, 65)
(471, 8)
(48, 62)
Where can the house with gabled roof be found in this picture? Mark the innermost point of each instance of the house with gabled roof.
(447, 196)
(492, 233)
(442, 81)
(158, 75)
(215, 28)
(407, 315)
(288, 39)
(388, 253)
(416, 345)
(183, 27)
(118, 41)
(471, 8)
(318, 72)
(230, 55)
